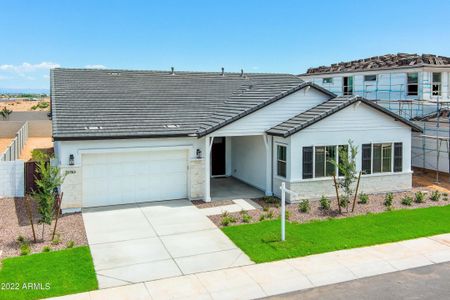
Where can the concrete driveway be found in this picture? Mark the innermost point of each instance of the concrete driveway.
(148, 241)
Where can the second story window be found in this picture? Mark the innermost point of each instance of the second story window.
(436, 84)
(370, 77)
(413, 84)
(327, 80)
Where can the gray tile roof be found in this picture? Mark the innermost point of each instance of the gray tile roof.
(99, 104)
(383, 62)
(326, 109)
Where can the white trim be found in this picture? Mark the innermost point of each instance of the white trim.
(362, 176)
(132, 149)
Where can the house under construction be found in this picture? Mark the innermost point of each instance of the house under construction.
(414, 86)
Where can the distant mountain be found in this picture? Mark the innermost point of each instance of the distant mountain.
(23, 91)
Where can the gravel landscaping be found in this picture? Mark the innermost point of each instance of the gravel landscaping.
(15, 223)
(375, 204)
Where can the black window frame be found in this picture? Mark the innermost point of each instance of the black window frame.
(398, 157)
(308, 162)
(370, 78)
(281, 164)
(412, 84)
(366, 157)
(327, 80)
(436, 86)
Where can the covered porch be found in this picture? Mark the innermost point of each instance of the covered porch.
(238, 167)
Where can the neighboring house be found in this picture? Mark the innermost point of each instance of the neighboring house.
(390, 77)
(136, 136)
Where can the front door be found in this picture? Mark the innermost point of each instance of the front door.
(218, 157)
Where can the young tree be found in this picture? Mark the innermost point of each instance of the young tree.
(346, 165)
(48, 180)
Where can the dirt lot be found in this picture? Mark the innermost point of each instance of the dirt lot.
(4, 143)
(25, 104)
(15, 223)
(41, 143)
(427, 178)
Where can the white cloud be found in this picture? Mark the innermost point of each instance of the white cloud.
(28, 68)
(95, 67)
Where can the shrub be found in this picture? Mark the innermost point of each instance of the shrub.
(388, 199)
(363, 198)
(70, 244)
(56, 240)
(262, 217)
(265, 209)
(25, 249)
(344, 201)
(304, 206)
(46, 249)
(445, 196)
(41, 105)
(407, 200)
(21, 239)
(269, 215)
(419, 197)
(270, 199)
(435, 196)
(325, 203)
(287, 214)
(246, 218)
(227, 219)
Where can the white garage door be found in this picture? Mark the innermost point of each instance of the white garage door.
(128, 177)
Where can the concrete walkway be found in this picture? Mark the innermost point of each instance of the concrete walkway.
(261, 280)
(147, 241)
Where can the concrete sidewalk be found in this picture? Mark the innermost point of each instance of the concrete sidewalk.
(261, 280)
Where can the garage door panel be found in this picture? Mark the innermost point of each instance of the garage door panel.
(134, 177)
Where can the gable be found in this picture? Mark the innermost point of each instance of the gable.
(265, 118)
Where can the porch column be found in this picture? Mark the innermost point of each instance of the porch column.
(268, 144)
(208, 146)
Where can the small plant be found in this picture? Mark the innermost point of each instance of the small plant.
(435, 196)
(25, 249)
(325, 203)
(287, 214)
(246, 218)
(407, 200)
(41, 105)
(70, 244)
(46, 249)
(5, 112)
(344, 201)
(227, 219)
(262, 217)
(270, 199)
(304, 206)
(265, 209)
(445, 196)
(269, 214)
(56, 240)
(419, 197)
(21, 239)
(388, 199)
(363, 198)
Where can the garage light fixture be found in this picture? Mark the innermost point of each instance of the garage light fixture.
(199, 153)
(71, 160)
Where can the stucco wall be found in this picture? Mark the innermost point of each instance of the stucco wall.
(12, 178)
(72, 187)
(249, 160)
(197, 178)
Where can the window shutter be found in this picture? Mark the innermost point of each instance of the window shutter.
(366, 158)
(307, 162)
(398, 157)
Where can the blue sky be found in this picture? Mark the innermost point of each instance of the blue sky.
(258, 36)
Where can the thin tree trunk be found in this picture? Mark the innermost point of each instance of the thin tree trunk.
(356, 192)
(337, 194)
(58, 208)
(30, 216)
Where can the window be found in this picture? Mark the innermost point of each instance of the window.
(281, 160)
(370, 77)
(327, 80)
(366, 159)
(320, 162)
(398, 157)
(347, 86)
(378, 158)
(307, 162)
(413, 84)
(436, 85)
(342, 150)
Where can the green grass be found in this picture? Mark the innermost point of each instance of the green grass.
(66, 272)
(261, 241)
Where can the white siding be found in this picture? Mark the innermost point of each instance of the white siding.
(359, 123)
(249, 160)
(271, 115)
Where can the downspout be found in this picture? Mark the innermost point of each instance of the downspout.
(271, 165)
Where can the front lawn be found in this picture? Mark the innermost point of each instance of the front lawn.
(261, 241)
(47, 274)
